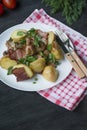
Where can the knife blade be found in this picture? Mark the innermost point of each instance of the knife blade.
(70, 58)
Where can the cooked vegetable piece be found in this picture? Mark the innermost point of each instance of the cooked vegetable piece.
(27, 60)
(17, 35)
(50, 73)
(49, 47)
(10, 70)
(51, 37)
(6, 62)
(38, 65)
(31, 32)
(57, 51)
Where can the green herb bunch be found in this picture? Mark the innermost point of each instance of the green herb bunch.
(71, 9)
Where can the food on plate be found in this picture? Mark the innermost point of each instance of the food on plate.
(22, 72)
(6, 62)
(32, 52)
(50, 73)
(51, 37)
(17, 35)
(38, 65)
(57, 51)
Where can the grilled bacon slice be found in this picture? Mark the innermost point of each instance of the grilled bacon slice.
(16, 54)
(20, 73)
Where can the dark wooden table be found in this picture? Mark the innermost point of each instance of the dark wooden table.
(21, 110)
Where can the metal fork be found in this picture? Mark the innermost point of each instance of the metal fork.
(82, 72)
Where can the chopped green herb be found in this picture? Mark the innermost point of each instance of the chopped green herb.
(38, 37)
(10, 70)
(31, 58)
(36, 78)
(36, 43)
(22, 41)
(57, 62)
(22, 60)
(21, 33)
(42, 54)
(27, 60)
(34, 82)
(51, 58)
(49, 47)
(31, 32)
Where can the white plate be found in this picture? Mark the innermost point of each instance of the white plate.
(64, 68)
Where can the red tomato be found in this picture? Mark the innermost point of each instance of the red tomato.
(1, 9)
(11, 4)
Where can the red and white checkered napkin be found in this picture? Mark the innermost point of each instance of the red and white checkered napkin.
(71, 91)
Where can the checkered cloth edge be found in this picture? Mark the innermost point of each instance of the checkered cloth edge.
(71, 91)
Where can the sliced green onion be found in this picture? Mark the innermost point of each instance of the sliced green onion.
(36, 43)
(22, 41)
(49, 47)
(31, 32)
(27, 60)
(10, 70)
(21, 33)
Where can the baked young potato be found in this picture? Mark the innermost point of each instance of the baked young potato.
(6, 62)
(51, 37)
(17, 35)
(38, 65)
(50, 73)
(57, 51)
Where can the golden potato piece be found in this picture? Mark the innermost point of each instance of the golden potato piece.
(38, 65)
(57, 54)
(50, 73)
(51, 37)
(57, 51)
(17, 35)
(6, 62)
(27, 69)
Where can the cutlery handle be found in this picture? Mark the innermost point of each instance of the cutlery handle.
(75, 66)
(78, 60)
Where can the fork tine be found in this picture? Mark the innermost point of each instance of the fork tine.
(62, 35)
(58, 32)
(64, 38)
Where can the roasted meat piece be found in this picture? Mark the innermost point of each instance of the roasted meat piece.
(20, 73)
(17, 54)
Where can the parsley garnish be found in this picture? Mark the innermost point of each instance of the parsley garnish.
(49, 47)
(10, 70)
(22, 41)
(31, 32)
(34, 82)
(51, 59)
(20, 33)
(27, 60)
